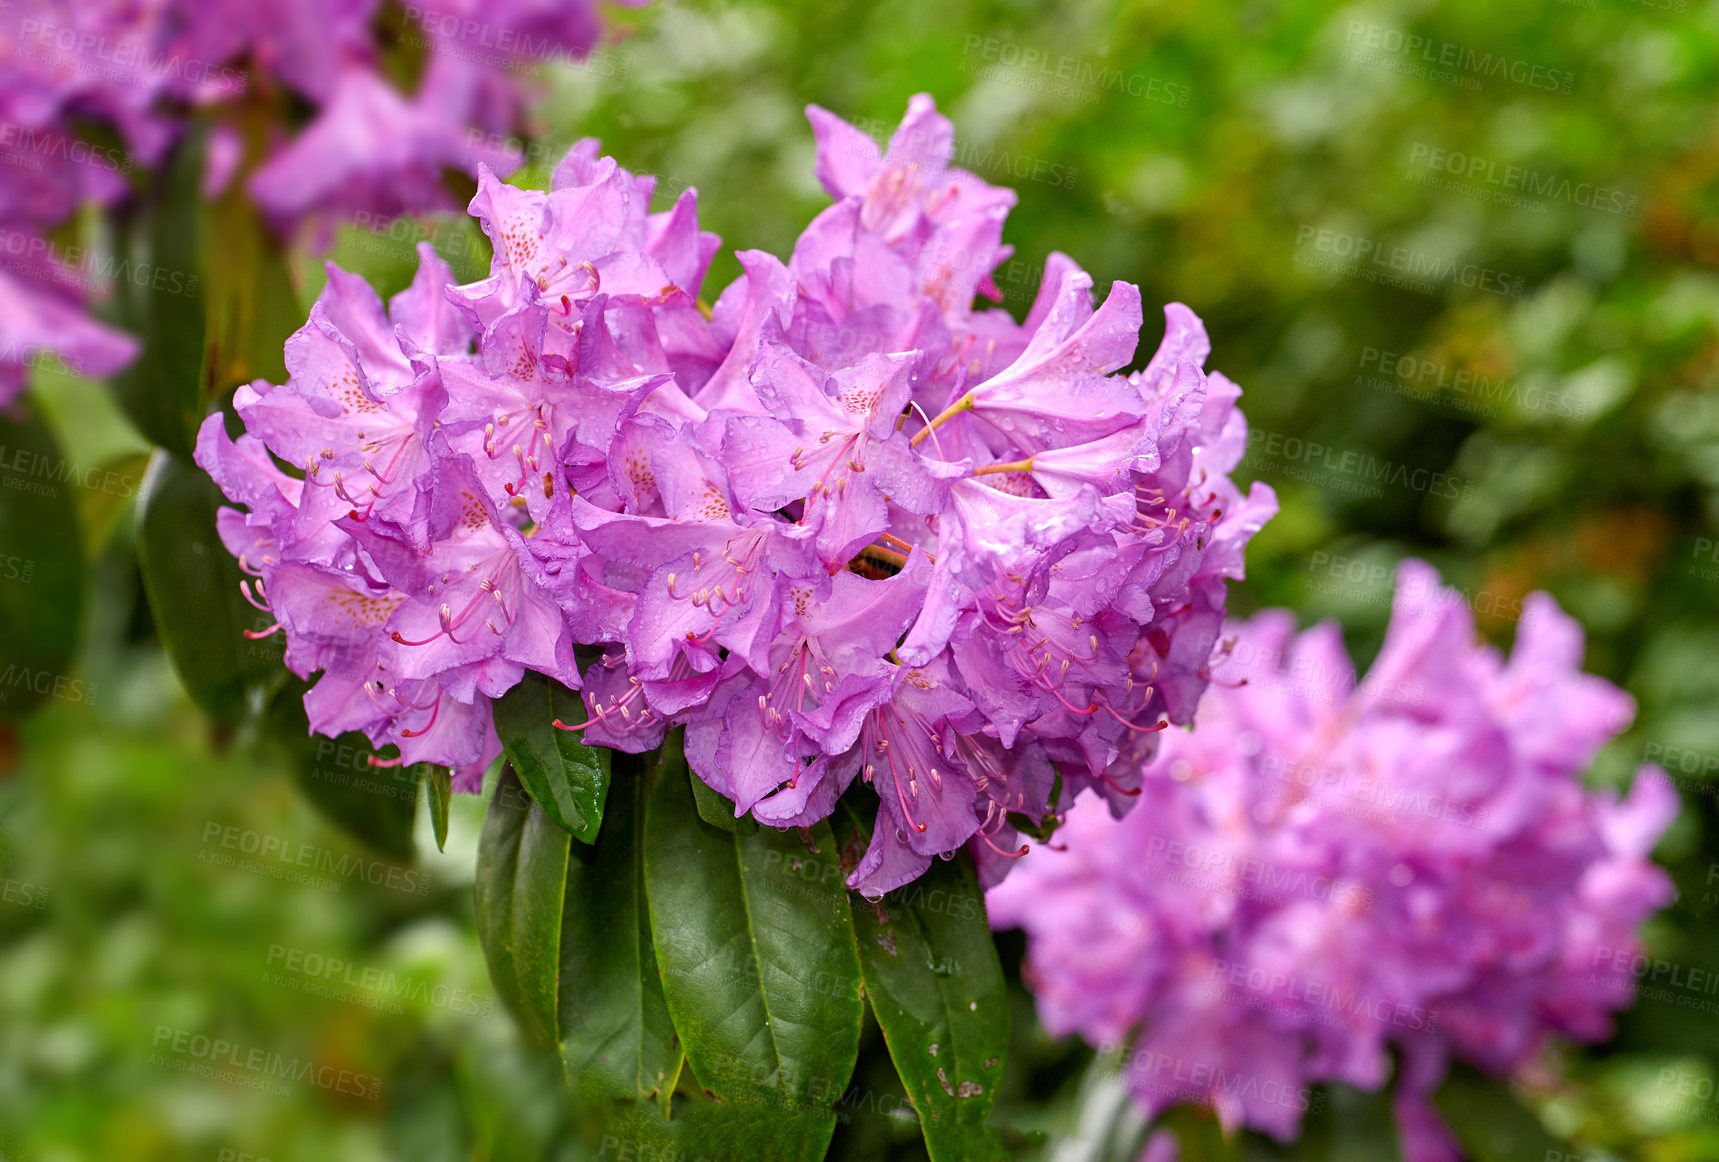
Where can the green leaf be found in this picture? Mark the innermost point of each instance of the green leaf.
(1342, 1124)
(717, 1132)
(753, 935)
(1200, 1137)
(566, 778)
(750, 1133)
(193, 587)
(103, 511)
(717, 809)
(1490, 1123)
(162, 303)
(251, 306)
(211, 296)
(521, 880)
(440, 788)
(376, 805)
(41, 567)
(643, 1130)
(617, 1040)
(936, 987)
(424, 1122)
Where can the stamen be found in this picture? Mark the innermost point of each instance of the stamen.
(1005, 854)
(1011, 466)
(428, 725)
(1164, 725)
(904, 546)
(942, 417)
(245, 589)
(1071, 707)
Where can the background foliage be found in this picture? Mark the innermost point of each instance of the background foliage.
(1199, 150)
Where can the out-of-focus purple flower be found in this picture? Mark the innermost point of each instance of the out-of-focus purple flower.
(52, 71)
(839, 526)
(375, 148)
(39, 324)
(493, 44)
(1324, 870)
(107, 60)
(369, 149)
(305, 47)
(369, 146)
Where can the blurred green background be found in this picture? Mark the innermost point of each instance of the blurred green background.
(1460, 256)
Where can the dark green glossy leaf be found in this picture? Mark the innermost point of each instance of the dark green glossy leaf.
(717, 809)
(642, 1129)
(41, 569)
(376, 805)
(616, 1036)
(568, 779)
(705, 1131)
(440, 788)
(751, 1133)
(753, 936)
(193, 586)
(162, 303)
(521, 880)
(936, 986)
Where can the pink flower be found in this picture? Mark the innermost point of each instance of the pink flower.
(954, 559)
(1324, 870)
(40, 323)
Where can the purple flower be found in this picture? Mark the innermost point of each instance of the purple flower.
(830, 441)
(305, 46)
(369, 149)
(51, 78)
(368, 146)
(953, 558)
(38, 322)
(1325, 870)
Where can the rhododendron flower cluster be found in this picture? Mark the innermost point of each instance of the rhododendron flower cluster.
(1321, 872)
(840, 525)
(138, 70)
(46, 172)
